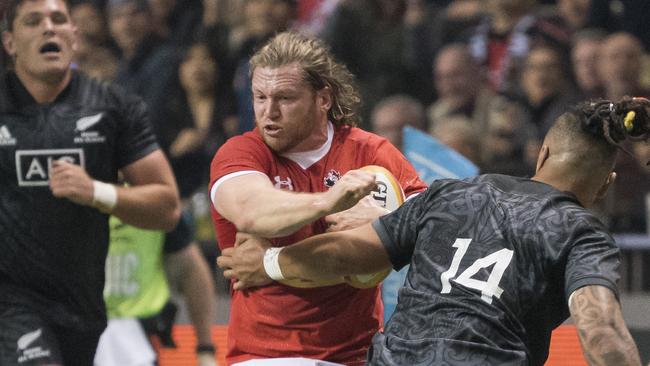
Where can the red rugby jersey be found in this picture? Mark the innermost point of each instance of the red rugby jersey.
(333, 323)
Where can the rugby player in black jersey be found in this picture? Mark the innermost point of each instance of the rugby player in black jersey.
(496, 262)
(63, 138)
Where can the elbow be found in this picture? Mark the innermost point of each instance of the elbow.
(171, 215)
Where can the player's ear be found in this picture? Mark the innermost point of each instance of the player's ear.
(542, 157)
(324, 97)
(611, 177)
(8, 43)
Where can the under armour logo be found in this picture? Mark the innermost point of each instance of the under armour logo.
(283, 184)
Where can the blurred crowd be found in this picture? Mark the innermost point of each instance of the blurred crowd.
(486, 77)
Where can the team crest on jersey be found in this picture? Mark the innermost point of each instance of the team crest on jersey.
(6, 139)
(28, 348)
(331, 178)
(283, 184)
(88, 137)
(33, 166)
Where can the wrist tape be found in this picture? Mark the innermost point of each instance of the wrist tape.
(272, 264)
(104, 196)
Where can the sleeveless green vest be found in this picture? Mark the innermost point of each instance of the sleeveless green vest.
(136, 285)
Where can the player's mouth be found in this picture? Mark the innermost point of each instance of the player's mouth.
(50, 49)
(271, 130)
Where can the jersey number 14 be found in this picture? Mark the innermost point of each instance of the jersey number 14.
(501, 259)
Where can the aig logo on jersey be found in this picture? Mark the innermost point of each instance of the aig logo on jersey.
(85, 136)
(33, 166)
(6, 139)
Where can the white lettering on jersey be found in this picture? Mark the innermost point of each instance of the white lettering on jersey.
(6, 139)
(490, 288)
(33, 166)
(27, 354)
(88, 137)
(120, 275)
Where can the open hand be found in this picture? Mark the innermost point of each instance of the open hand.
(245, 262)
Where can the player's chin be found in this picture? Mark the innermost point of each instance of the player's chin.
(278, 145)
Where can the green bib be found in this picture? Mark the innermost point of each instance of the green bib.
(136, 285)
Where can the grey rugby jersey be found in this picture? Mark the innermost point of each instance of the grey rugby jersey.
(493, 260)
(52, 251)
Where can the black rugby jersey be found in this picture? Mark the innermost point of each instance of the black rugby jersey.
(493, 260)
(52, 251)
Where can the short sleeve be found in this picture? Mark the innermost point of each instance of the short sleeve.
(136, 138)
(392, 159)
(398, 230)
(240, 153)
(594, 259)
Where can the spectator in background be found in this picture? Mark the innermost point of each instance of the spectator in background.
(620, 69)
(574, 13)
(546, 90)
(457, 133)
(263, 19)
(176, 21)
(97, 53)
(374, 39)
(148, 66)
(91, 25)
(460, 87)
(198, 120)
(620, 66)
(393, 113)
(585, 53)
(502, 41)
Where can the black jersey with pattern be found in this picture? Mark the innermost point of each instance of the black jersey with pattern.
(493, 260)
(52, 251)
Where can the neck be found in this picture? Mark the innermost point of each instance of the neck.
(568, 181)
(44, 89)
(317, 139)
(194, 97)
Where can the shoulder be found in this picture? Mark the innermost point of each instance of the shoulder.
(361, 139)
(91, 91)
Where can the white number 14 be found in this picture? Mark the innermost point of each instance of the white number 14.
(501, 259)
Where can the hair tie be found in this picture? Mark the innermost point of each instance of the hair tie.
(628, 122)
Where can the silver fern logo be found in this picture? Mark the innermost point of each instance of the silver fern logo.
(85, 123)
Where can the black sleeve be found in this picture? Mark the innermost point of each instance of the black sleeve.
(594, 259)
(136, 138)
(398, 230)
(181, 237)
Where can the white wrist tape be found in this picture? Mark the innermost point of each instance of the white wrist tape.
(104, 196)
(272, 264)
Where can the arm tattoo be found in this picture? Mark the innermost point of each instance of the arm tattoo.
(602, 331)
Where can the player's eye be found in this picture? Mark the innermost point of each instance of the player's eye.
(59, 18)
(32, 19)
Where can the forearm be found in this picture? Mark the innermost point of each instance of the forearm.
(278, 213)
(604, 337)
(150, 206)
(332, 255)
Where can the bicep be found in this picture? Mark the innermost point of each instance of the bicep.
(230, 195)
(150, 169)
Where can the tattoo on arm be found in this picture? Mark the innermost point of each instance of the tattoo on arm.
(601, 328)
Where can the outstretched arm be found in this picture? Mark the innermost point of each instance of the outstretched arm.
(318, 258)
(604, 337)
(255, 206)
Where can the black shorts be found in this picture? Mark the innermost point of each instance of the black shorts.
(26, 339)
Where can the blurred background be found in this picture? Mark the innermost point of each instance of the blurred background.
(485, 77)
